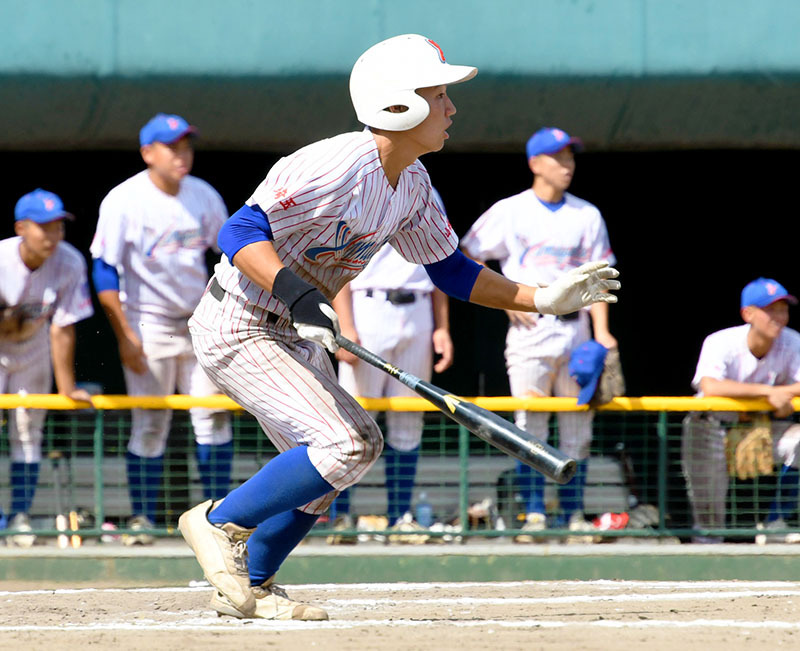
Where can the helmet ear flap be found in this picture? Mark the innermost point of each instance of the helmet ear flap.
(374, 111)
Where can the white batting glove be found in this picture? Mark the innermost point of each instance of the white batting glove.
(322, 335)
(583, 286)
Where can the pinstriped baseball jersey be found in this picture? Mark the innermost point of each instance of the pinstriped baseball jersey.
(58, 291)
(535, 245)
(726, 356)
(159, 242)
(331, 209)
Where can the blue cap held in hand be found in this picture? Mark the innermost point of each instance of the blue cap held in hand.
(586, 366)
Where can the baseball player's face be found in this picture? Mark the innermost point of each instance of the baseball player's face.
(556, 169)
(170, 162)
(39, 241)
(767, 321)
(432, 132)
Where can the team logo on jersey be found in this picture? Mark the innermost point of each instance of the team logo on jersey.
(350, 252)
(172, 240)
(438, 49)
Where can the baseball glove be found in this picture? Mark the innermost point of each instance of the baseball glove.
(748, 449)
(612, 381)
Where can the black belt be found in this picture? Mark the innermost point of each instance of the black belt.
(397, 296)
(215, 289)
(568, 317)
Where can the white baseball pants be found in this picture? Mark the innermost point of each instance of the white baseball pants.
(171, 364)
(289, 385)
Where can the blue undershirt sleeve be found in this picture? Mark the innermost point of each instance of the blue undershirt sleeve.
(247, 225)
(455, 275)
(104, 275)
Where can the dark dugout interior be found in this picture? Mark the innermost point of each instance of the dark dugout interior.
(689, 229)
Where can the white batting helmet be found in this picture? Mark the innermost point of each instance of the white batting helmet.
(388, 73)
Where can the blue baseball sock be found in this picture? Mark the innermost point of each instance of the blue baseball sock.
(401, 469)
(24, 478)
(287, 482)
(785, 503)
(531, 487)
(144, 483)
(570, 495)
(273, 540)
(341, 505)
(214, 462)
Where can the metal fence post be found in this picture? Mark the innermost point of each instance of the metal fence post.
(99, 509)
(463, 477)
(662, 430)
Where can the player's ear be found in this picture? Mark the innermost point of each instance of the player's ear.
(533, 164)
(19, 227)
(747, 313)
(147, 153)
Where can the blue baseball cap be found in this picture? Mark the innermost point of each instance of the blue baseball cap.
(765, 291)
(165, 128)
(42, 207)
(549, 140)
(586, 366)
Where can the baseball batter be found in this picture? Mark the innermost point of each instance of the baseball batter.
(44, 292)
(393, 309)
(149, 272)
(760, 359)
(537, 236)
(262, 327)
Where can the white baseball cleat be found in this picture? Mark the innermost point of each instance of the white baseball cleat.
(533, 522)
(221, 551)
(139, 523)
(21, 523)
(272, 602)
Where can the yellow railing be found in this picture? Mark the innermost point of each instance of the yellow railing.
(493, 403)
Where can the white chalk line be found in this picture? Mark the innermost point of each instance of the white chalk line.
(207, 625)
(624, 598)
(407, 587)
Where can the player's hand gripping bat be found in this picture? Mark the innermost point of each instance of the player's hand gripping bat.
(483, 423)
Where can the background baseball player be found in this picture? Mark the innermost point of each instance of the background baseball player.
(149, 272)
(760, 359)
(309, 228)
(393, 309)
(44, 291)
(537, 236)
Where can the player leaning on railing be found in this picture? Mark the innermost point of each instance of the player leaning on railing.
(43, 292)
(309, 228)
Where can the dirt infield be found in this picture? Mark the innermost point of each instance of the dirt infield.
(618, 615)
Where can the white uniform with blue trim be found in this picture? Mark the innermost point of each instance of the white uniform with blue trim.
(535, 246)
(57, 292)
(725, 355)
(330, 210)
(158, 243)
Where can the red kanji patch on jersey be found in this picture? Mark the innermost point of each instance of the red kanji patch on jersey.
(288, 203)
(280, 192)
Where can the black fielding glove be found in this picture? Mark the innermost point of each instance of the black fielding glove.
(312, 314)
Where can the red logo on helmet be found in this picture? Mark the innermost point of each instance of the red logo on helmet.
(438, 49)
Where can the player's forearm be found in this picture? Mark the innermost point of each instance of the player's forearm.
(441, 310)
(62, 349)
(343, 304)
(112, 306)
(734, 389)
(259, 262)
(599, 312)
(492, 289)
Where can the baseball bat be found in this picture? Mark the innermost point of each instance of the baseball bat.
(485, 424)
